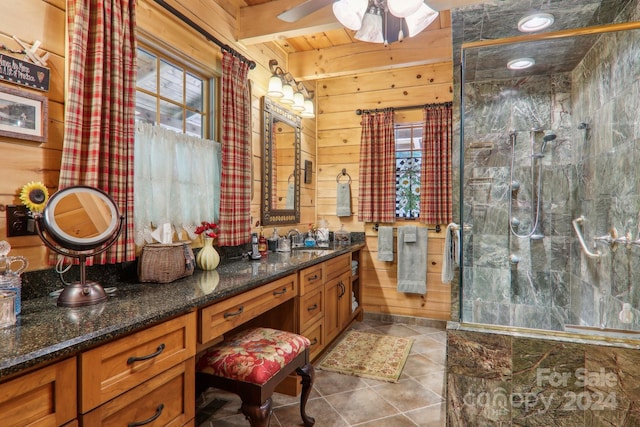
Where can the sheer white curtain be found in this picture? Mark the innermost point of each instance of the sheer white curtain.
(177, 180)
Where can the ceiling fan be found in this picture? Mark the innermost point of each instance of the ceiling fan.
(375, 21)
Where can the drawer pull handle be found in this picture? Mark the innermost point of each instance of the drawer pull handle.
(234, 313)
(148, 420)
(313, 307)
(282, 292)
(134, 359)
(314, 341)
(312, 278)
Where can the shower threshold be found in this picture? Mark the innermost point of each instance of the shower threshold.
(604, 332)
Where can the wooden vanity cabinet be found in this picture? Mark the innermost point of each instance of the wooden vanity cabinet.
(45, 397)
(337, 305)
(146, 376)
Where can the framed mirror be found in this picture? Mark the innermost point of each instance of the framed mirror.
(281, 165)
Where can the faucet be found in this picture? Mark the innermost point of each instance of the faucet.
(291, 233)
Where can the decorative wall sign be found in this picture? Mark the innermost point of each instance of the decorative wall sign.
(24, 73)
(23, 114)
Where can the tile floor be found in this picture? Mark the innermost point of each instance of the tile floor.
(342, 400)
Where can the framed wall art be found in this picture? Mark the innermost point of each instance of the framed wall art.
(23, 114)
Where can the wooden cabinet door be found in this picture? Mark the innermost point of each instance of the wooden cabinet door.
(45, 397)
(336, 299)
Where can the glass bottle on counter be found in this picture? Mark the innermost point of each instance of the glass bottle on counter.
(310, 239)
(262, 244)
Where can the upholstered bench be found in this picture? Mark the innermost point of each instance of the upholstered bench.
(251, 364)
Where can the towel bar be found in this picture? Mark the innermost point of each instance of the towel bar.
(437, 228)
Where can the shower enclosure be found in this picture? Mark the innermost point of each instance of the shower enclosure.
(550, 180)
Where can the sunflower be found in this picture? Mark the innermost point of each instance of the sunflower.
(34, 196)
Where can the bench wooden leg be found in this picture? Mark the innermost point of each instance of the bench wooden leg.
(308, 374)
(258, 415)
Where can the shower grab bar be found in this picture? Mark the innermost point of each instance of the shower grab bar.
(586, 250)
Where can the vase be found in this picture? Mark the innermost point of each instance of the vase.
(208, 258)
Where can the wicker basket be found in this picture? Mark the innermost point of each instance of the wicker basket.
(164, 263)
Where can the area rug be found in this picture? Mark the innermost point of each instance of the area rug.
(367, 355)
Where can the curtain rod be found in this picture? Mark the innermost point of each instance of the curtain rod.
(206, 34)
(408, 107)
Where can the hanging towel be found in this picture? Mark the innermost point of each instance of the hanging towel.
(412, 260)
(291, 195)
(385, 243)
(343, 199)
(449, 257)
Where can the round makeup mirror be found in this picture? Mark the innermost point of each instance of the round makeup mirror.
(80, 222)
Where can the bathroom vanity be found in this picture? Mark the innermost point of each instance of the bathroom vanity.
(132, 358)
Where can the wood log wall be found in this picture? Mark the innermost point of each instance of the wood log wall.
(339, 148)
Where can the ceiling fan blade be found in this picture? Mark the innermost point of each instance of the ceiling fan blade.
(302, 10)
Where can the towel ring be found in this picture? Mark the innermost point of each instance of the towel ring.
(289, 179)
(343, 173)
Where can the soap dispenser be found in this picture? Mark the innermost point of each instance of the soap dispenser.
(310, 240)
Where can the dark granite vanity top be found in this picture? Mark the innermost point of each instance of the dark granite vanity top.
(46, 332)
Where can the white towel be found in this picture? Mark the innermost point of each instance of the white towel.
(343, 199)
(291, 196)
(449, 255)
(412, 261)
(385, 243)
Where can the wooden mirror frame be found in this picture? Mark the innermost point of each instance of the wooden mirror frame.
(271, 113)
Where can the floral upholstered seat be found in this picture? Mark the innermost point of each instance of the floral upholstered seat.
(252, 356)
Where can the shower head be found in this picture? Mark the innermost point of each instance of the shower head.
(547, 138)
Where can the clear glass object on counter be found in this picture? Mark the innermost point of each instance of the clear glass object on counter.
(342, 237)
(7, 308)
(12, 283)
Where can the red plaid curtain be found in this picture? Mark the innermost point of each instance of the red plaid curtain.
(436, 197)
(100, 108)
(377, 197)
(235, 191)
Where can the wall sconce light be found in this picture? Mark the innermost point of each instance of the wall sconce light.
(286, 90)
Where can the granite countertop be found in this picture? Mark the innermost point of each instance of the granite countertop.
(46, 332)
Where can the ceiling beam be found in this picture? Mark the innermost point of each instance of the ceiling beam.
(260, 23)
(428, 47)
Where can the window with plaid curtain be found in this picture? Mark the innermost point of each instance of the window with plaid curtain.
(100, 107)
(436, 206)
(376, 202)
(235, 191)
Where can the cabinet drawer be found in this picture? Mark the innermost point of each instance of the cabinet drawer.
(315, 333)
(311, 308)
(167, 399)
(310, 278)
(336, 266)
(116, 367)
(43, 397)
(221, 317)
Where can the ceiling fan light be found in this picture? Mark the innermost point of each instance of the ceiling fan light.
(298, 102)
(350, 12)
(371, 30)
(309, 110)
(275, 87)
(287, 94)
(420, 19)
(404, 8)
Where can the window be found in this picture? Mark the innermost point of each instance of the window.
(176, 158)
(172, 95)
(408, 162)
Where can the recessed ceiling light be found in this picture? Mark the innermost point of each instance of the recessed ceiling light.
(520, 63)
(535, 22)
